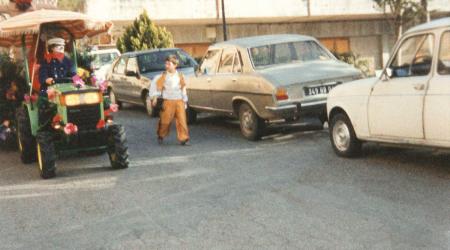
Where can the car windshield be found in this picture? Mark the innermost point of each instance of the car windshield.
(103, 59)
(155, 61)
(292, 52)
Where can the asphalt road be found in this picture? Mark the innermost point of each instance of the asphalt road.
(288, 191)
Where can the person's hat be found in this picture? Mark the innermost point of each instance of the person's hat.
(56, 41)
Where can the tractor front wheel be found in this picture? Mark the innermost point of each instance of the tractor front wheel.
(46, 154)
(117, 147)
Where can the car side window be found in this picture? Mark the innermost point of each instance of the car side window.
(444, 55)
(226, 63)
(132, 65)
(414, 57)
(210, 62)
(120, 66)
(237, 66)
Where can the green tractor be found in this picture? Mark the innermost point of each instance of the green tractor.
(69, 118)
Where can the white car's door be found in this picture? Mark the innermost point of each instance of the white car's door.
(199, 87)
(437, 101)
(396, 103)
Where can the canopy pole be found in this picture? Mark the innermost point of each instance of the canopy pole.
(36, 58)
(25, 63)
(74, 48)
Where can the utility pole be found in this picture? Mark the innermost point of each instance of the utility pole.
(224, 22)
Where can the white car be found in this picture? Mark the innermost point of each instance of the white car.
(102, 61)
(408, 104)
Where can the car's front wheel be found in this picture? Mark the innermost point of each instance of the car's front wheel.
(113, 98)
(252, 125)
(343, 137)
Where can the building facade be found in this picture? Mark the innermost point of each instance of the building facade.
(356, 26)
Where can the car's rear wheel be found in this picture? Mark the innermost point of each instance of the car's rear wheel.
(251, 124)
(151, 111)
(113, 98)
(343, 137)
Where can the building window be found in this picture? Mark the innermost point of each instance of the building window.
(336, 45)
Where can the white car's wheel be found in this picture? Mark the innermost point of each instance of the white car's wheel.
(252, 125)
(148, 106)
(343, 137)
(113, 98)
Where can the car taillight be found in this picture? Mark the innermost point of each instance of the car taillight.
(281, 94)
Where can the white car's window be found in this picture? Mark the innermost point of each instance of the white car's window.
(444, 55)
(120, 66)
(310, 51)
(155, 61)
(414, 57)
(209, 64)
(103, 59)
(226, 62)
(132, 65)
(237, 66)
(292, 52)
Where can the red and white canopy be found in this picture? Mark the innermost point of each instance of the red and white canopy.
(29, 24)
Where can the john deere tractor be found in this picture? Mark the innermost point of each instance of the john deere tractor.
(68, 117)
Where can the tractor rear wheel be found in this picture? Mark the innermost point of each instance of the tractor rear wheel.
(25, 140)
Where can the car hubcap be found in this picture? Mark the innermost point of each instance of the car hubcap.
(341, 136)
(247, 120)
(148, 104)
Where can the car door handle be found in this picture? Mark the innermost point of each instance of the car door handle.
(208, 79)
(419, 86)
(234, 79)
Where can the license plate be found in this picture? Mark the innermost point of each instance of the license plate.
(319, 90)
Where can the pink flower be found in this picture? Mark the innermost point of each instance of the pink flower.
(70, 128)
(114, 107)
(26, 98)
(93, 80)
(103, 85)
(51, 93)
(77, 81)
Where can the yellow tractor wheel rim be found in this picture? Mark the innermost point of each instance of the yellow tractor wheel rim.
(39, 156)
(20, 143)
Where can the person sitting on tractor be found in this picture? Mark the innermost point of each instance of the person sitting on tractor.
(55, 66)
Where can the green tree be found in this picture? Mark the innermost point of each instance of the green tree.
(72, 5)
(144, 34)
(11, 71)
(402, 13)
